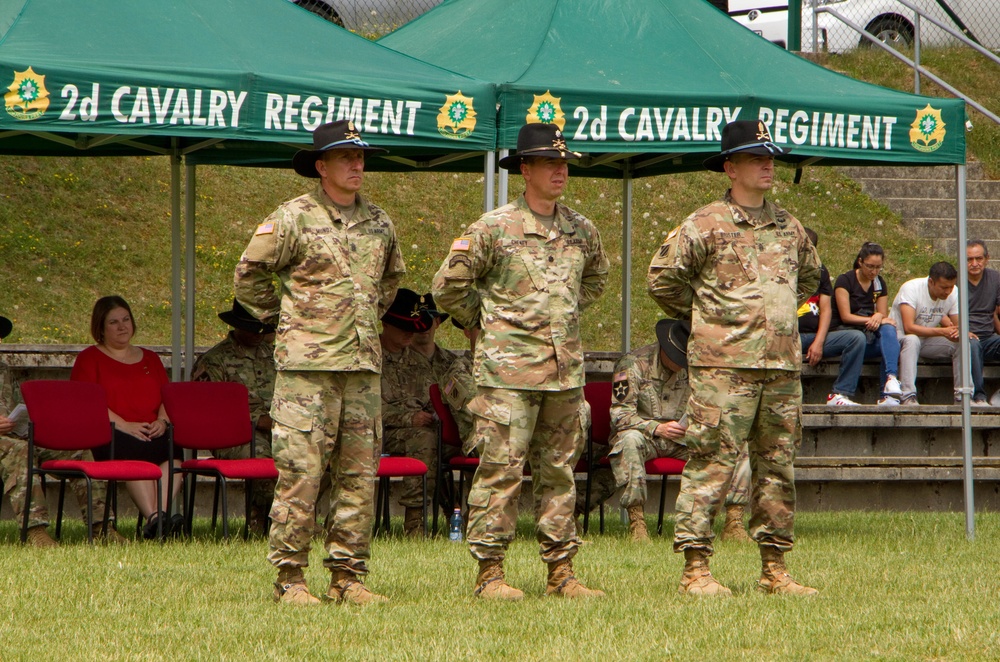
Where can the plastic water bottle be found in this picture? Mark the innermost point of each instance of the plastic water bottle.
(455, 530)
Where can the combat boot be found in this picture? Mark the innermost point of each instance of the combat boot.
(562, 582)
(291, 587)
(111, 537)
(39, 537)
(345, 586)
(697, 578)
(491, 585)
(413, 523)
(774, 577)
(637, 524)
(733, 528)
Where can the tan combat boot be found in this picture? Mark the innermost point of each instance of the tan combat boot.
(774, 577)
(291, 587)
(347, 587)
(491, 585)
(562, 582)
(733, 528)
(637, 524)
(39, 537)
(697, 578)
(111, 537)
(413, 523)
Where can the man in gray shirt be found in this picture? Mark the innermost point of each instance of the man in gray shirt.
(984, 302)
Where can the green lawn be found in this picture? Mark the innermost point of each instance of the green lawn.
(894, 586)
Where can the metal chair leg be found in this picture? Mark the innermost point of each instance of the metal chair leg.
(663, 500)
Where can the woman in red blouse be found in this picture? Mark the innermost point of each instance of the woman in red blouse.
(131, 377)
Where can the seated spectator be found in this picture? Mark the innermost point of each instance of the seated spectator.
(926, 314)
(818, 342)
(649, 396)
(408, 421)
(458, 386)
(861, 302)
(14, 467)
(438, 358)
(246, 356)
(984, 304)
(131, 377)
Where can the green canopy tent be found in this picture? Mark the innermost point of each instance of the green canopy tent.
(643, 87)
(227, 81)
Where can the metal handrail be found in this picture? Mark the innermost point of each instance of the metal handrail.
(916, 66)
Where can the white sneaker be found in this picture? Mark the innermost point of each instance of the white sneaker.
(837, 399)
(892, 386)
(995, 399)
(888, 401)
(981, 403)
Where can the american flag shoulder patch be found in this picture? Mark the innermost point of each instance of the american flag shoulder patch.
(461, 244)
(264, 228)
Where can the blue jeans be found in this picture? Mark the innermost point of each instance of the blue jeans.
(885, 344)
(989, 349)
(849, 345)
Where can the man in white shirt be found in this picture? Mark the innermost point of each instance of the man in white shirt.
(926, 315)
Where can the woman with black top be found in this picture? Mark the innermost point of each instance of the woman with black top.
(862, 302)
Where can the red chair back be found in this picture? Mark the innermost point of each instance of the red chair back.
(598, 395)
(208, 415)
(67, 415)
(449, 428)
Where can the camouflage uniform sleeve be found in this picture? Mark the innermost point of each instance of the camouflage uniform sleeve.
(625, 399)
(208, 369)
(810, 269)
(595, 273)
(392, 272)
(673, 268)
(270, 250)
(454, 286)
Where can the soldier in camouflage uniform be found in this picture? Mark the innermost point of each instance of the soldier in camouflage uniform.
(522, 273)
(738, 269)
(408, 419)
(14, 467)
(246, 356)
(338, 264)
(649, 395)
(458, 387)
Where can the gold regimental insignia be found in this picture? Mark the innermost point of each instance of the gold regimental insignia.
(927, 131)
(457, 117)
(27, 98)
(545, 110)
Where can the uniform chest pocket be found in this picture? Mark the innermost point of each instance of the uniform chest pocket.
(735, 267)
(517, 278)
(368, 250)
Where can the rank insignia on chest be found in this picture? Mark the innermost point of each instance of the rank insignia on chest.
(265, 228)
(620, 390)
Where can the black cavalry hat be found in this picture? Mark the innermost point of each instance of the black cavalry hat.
(539, 140)
(427, 302)
(748, 136)
(6, 326)
(334, 135)
(673, 338)
(408, 312)
(239, 318)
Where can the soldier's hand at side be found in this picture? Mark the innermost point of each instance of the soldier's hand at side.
(264, 422)
(422, 419)
(670, 430)
(6, 425)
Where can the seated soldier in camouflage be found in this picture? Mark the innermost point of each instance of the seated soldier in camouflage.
(650, 393)
(458, 386)
(14, 468)
(246, 356)
(408, 421)
(439, 360)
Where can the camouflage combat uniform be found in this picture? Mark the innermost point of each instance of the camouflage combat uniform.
(740, 282)
(14, 467)
(645, 394)
(458, 387)
(337, 279)
(253, 367)
(406, 380)
(525, 287)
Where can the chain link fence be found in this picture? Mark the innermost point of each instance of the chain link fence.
(371, 18)
(895, 24)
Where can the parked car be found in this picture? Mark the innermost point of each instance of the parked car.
(768, 18)
(368, 16)
(894, 24)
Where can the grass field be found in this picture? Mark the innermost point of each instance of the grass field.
(894, 586)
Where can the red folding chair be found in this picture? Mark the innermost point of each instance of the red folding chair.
(448, 435)
(208, 416)
(396, 466)
(73, 416)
